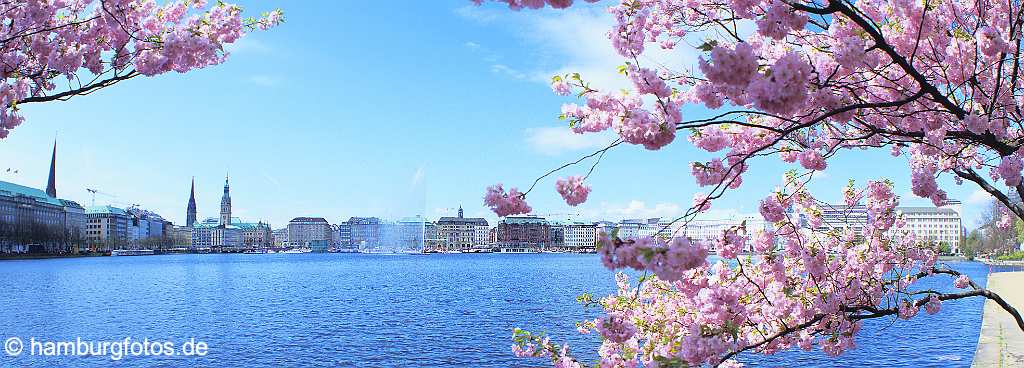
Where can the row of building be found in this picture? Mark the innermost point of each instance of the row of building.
(37, 221)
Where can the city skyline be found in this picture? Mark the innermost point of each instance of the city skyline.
(336, 154)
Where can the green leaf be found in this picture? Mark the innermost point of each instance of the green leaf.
(708, 45)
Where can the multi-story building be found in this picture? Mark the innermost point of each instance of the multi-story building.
(580, 236)
(364, 232)
(309, 232)
(281, 237)
(605, 226)
(107, 228)
(557, 237)
(481, 234)
(345, 236)
(462, 233)
(181, 236)
(147, 230)
(414, 233)
(649, 228)
(709, 231)
(841, 218)
(255, 234)
(523, 234)
(210, 234)
(935, 225)
(35, 221)
(630, 229)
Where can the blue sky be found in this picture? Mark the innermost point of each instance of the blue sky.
(373, 109)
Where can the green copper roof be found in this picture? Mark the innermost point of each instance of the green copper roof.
(250, 225)
(104, 210)
(14, 190)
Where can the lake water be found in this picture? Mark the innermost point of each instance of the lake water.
(372, 311)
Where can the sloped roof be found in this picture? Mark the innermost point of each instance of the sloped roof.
(105, 210)
(14, 190)
(462, 221)
(525, 220)
(309, 219)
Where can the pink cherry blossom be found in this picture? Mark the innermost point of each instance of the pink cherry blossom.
(560, 87)
(95, 44)
(506, 204)
(771, 209)
(935, 84)
(933, 305)
(573, 190)
(701, 202)
(962, 282)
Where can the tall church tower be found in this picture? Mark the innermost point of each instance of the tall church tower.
(51, 183)
(225, 204)
(190, 216)
(460, 211)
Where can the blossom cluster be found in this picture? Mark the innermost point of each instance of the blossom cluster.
(573, 190)
(803, 87)
(46, 42)
(697, 313)
(506, 204)
(935, 82)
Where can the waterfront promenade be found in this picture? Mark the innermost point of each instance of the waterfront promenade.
(1001, 343)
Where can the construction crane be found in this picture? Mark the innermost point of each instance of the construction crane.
(94, 192)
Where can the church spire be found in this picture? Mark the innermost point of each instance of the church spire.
(190, 215)
(51, 183)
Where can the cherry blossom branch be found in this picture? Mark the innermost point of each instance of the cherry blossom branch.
(599, 152)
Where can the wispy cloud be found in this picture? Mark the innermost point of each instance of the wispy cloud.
(506, 70)
(271, 179)
(556, 140)
(477, 13)
(979, 197)
(472, 45)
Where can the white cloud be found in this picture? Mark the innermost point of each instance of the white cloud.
(506, 70)
(477, 13)
(979, 197)
(579, 37)
(270, 179)
(265, 80)
(556, 140)
(472, 45)
(639, 209)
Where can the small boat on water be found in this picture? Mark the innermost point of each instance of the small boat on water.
(297, 251)
(131, 252)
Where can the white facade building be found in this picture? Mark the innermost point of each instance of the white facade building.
(708, 231)
(933, 225)
(580, 236)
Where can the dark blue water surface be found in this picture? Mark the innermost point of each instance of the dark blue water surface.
(373, 311)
